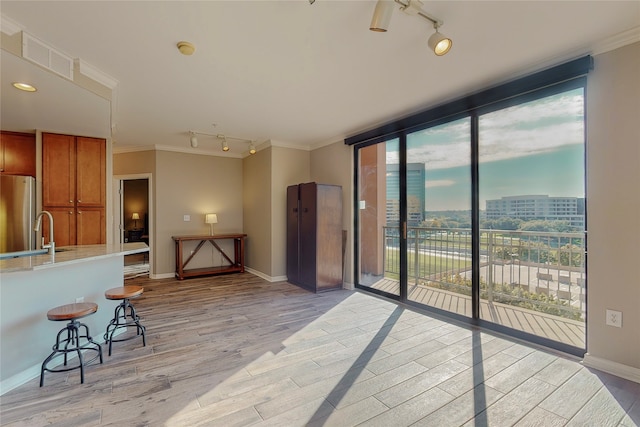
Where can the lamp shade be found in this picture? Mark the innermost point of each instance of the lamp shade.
(135, 215)
(211, 218)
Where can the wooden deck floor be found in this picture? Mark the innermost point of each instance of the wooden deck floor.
(236, 350)
(556, 328)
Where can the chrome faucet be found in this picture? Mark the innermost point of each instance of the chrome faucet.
(51, 246)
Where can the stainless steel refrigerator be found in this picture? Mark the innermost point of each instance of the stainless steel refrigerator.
(17, 213)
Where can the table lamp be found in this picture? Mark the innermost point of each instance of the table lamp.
(211, 219)
(135, 217)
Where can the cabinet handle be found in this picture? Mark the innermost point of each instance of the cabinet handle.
(70, 212)
(79, 201)
(79, 212)
(70, 201)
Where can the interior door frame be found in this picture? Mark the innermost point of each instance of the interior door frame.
(118, 211)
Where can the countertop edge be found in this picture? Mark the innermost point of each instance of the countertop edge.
(70, 255)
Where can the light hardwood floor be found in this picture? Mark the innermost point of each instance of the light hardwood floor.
(236, 350)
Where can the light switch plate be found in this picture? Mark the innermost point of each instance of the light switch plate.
(187, 218)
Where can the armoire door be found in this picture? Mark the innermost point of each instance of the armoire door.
(293, 233)
(308, 235)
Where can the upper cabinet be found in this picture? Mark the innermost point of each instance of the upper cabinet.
(74, 187)
(73, 171)
(17, 153)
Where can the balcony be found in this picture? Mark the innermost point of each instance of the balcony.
(529, 281)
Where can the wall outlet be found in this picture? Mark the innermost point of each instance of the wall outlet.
(186, 218)
(614, 318)
(79, 300)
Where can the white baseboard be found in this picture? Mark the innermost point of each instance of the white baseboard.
(264, 276)
(618, 369)
(162, 276)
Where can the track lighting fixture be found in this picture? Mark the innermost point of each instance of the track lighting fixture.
(438, 42)
(223, 141)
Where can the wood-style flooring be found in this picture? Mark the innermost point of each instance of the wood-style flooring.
(236, 350)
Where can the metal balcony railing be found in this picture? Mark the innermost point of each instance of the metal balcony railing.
(543, 271)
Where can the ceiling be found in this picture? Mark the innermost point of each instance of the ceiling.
(289, 72)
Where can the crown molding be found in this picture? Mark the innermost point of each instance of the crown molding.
(617, 41)
(9, 26)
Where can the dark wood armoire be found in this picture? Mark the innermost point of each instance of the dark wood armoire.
(314, 236)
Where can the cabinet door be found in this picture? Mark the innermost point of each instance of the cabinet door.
(90, 226)
(90, 171)
(58, 170)
(64, 226)
(17, 153)
(293, 268)
(308, 207)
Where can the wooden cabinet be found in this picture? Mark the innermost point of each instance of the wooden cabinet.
(17, 153)
(314, 236)
(74, 187)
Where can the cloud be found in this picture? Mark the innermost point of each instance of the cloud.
(439, 183)
(541, 126)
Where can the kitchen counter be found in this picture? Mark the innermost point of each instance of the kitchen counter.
(30, 286)
(69, 255)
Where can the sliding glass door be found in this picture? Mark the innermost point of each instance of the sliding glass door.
(532, 195)
(481, 215)
(379, 217)
(438, 217)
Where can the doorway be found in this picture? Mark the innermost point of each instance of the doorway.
(133, 220)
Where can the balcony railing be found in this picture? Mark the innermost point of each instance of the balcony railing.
(542, 271)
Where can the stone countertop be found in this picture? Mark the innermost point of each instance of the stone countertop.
(70, 255)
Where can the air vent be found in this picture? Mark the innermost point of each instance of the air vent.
(36, 51)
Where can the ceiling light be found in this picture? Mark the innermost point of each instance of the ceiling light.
(194, 139)
(24, 86)
(252, 148)
(381, 16)
(439, 43)
(186, 48)
(225, 146)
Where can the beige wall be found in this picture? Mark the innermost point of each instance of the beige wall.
(256, 200)
(188, 184)
(613, 205)
(290, 166)
(333, 164)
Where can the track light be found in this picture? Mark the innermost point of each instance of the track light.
(439, 43)
(382, 16)
(223, 141)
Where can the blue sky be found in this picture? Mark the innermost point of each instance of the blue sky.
(532, 148)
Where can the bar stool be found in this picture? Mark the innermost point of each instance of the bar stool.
(122, 319)
(70, 344)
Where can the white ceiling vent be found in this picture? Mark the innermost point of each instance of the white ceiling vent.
(36, 51)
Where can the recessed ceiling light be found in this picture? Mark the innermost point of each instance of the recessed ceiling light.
(186, 48)
(24, 86)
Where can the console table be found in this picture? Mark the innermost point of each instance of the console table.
(236, 265)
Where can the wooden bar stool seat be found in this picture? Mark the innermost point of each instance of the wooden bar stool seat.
(124, 315)
(74, 339)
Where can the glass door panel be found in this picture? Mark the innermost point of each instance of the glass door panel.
(532, 203)
(379, 217)
(438, 187)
